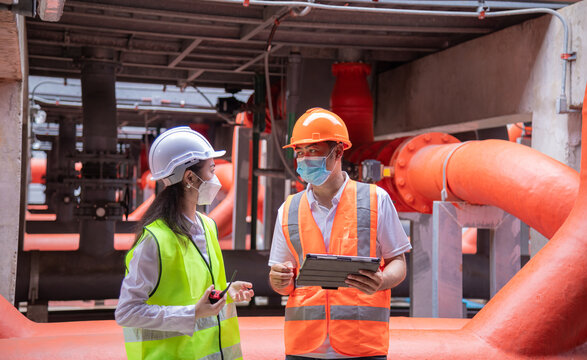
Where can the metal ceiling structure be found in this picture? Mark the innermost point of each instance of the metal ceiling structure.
(217, 43)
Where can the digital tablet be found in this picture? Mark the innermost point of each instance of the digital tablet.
(330, 271)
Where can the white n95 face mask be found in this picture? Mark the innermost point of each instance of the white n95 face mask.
(208, 190)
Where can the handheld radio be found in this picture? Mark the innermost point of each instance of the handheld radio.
(216, 295)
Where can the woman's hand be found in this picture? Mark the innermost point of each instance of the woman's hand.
(205, 309)
(241, 291)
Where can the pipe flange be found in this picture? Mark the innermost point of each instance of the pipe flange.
(401, 163)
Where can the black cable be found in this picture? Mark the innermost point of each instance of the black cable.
(276, 23)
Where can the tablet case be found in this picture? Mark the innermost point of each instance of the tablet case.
(330, 271)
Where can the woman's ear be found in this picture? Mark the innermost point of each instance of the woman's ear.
(188, 180)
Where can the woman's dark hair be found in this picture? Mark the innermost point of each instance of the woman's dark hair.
(167, 207)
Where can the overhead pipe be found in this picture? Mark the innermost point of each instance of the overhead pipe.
(458, 3)
(305, 11)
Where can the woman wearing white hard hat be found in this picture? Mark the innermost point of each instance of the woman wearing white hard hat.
(176, 262)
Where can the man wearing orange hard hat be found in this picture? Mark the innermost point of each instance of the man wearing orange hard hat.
(335, 215)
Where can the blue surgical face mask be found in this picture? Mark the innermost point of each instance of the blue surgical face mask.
(313, 169)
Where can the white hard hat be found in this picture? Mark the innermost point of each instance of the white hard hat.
(176, 150)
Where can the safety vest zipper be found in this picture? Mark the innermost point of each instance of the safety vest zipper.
(327, 315)
(209, 266)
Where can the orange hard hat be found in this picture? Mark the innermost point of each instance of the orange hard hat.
(317, 125)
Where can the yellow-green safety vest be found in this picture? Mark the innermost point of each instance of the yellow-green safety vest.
(184, 276)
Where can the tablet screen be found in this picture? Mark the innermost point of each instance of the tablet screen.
(330, 271)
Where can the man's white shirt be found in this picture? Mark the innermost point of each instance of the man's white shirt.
(391, 240)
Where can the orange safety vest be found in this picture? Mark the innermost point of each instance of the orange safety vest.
(357, 323)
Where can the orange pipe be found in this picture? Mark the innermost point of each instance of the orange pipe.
(39, 169)
(222, 213)
(549, 294)
(540, 313)
(70, 242)
(224, 172)
(520, 180)
(141, 209)
(517, 130)
(469, 241)
(261, 337)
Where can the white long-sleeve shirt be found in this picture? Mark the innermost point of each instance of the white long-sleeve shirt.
(142, 277)
(391, 241)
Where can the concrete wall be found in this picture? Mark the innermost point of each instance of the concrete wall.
(511, 74)
(12, 114)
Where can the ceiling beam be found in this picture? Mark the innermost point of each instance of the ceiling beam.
(256, 59)
(269, 16)
(251, 27)
(194, 75)
(191, 70)
(185, 52)
(329, 44)
(237, 19)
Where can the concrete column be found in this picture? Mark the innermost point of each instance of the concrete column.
(13, 125)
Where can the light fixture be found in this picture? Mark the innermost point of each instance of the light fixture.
(50, 10)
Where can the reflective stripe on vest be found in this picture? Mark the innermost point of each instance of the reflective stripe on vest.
(344, 314)
(364, 220)
(231, 352)
(364, 229)
(292, 225)
(184, 278)
(139, 334)
(351, 312)
(305, 313)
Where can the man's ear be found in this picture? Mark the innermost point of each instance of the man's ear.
(339, 150)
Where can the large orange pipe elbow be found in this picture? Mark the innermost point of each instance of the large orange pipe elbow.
(542, 310)
(524, 182)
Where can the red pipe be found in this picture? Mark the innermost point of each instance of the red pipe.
(351, 99)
